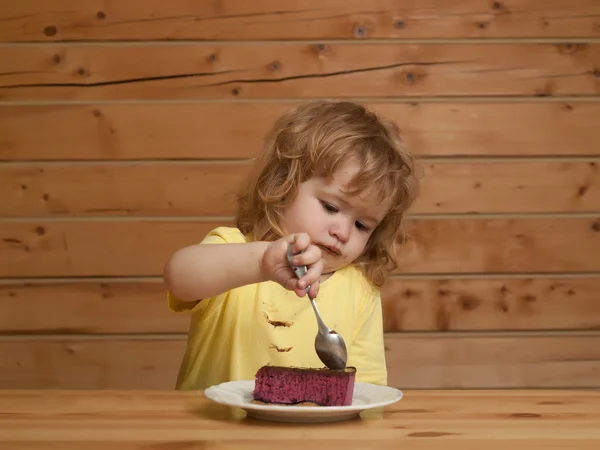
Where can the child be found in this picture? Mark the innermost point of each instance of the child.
(334, 180)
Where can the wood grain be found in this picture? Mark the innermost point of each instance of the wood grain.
(422, 420)
(114, 153)
(219, 71)
(141, 247)
(31, 20)
(124, 306)
(87, 307)
(414, 361)
(501, 245)
(494, 304)
(236, 130)
(93, 439)
(500, 361)
(129, 363)
(94, 248)
(206, 188)
(131, 189)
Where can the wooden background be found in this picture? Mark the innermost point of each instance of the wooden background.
(124, 127)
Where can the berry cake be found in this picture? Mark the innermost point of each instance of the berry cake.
(301, 386)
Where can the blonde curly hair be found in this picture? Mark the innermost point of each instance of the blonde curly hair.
(314, 139)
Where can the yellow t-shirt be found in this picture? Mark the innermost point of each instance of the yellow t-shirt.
(233, 334)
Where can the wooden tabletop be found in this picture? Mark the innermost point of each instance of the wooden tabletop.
(170, 420)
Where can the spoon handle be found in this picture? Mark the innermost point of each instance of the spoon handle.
(323, 329)
(300, 271)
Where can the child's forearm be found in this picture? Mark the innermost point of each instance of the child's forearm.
(204, 270)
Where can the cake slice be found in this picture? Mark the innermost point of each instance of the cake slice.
(296, 385)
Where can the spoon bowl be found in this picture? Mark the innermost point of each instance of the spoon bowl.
(329, 345)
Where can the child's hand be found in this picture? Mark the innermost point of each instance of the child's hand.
(275, 265)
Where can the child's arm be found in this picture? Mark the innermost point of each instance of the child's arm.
(204, 270)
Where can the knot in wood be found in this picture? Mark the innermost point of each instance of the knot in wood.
(50, 31)
(569, 48)
(360, 31)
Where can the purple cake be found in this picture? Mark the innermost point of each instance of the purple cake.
(295, 385)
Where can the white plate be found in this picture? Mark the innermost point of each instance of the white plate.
(239, 394)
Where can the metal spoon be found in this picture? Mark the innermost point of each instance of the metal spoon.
(330, 346)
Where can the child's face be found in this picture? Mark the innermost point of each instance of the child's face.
(336, 222)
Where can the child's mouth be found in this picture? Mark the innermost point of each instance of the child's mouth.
(330, 251)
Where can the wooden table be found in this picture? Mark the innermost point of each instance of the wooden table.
(161, 420)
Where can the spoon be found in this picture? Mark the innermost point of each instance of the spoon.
(330, 346)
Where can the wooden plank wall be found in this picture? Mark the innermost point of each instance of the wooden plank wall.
(124, 127)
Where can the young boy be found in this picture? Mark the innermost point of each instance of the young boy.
(334, 180)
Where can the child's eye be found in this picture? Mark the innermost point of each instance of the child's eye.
(362, 226)
(329, 208)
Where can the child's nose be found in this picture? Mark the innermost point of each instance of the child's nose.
(341, 230)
